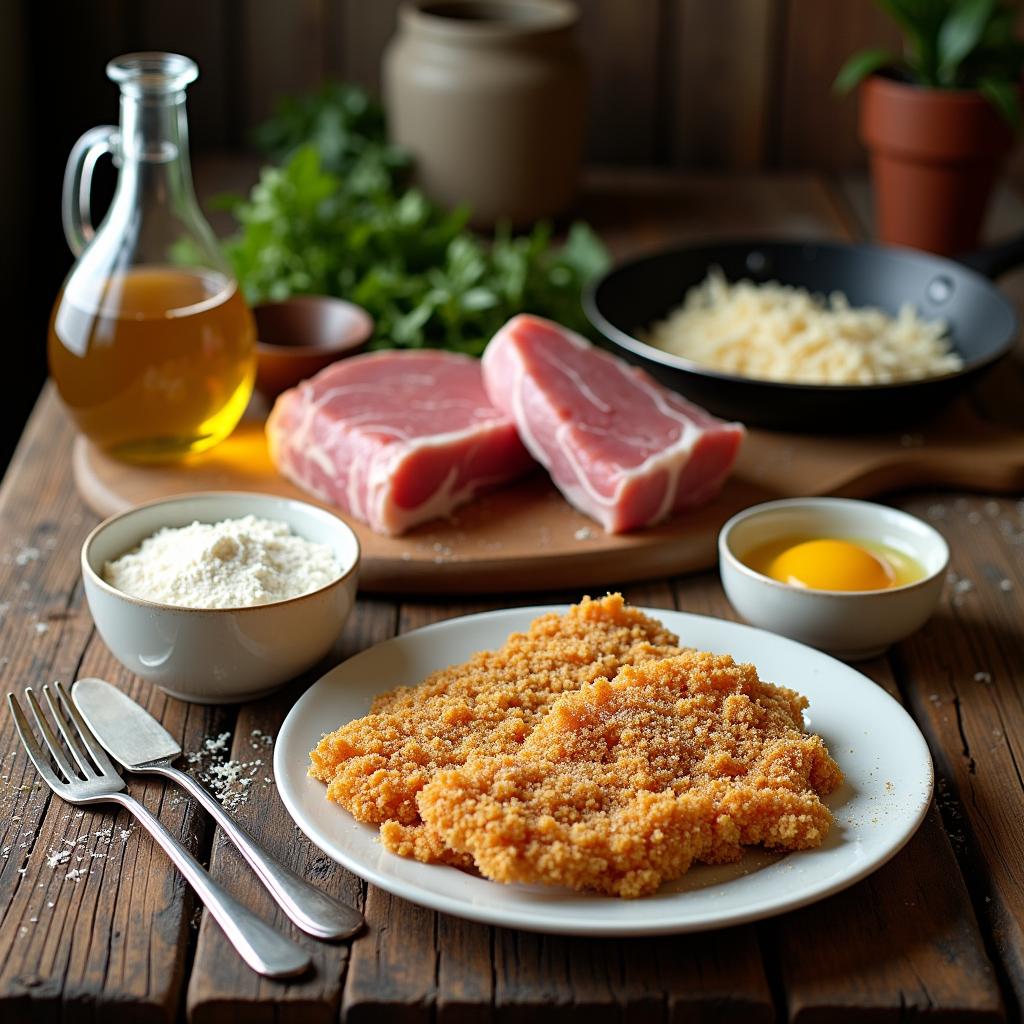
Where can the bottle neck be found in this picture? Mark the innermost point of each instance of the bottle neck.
(153, 150)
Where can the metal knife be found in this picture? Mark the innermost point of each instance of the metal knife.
(132, 736)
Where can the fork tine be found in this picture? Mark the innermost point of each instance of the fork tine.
(70, 734)
(85, 734)
(48, 737)
(28, 740)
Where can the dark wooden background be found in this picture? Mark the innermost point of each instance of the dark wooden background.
(729, 85)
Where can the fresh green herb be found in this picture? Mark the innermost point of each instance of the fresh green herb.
(337, 218)
(951, 44)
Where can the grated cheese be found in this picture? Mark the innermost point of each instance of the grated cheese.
(777, 332)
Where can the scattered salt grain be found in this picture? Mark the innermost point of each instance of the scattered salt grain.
(584, 533)
(26, 555)
(1006, 585)
(229, 781)
(41, 627)
(57, 857)
(983, 677)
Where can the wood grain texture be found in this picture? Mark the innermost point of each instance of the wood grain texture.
(219, 979)
(365, 30)
(720, 66)
(199, 30)
(626, 103)
(915, 917)
(814, 127)
(108, 923)
(964, 677)
(910, 942)
(733, 85)
(903, 944)
(280, 50)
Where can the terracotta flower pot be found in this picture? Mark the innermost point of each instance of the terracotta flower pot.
(935, 155)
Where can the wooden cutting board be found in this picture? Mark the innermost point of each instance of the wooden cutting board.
(525, 537)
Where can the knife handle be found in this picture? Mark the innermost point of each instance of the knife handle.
(263, 949)
(313, 910)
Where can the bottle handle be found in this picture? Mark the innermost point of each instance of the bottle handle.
(76, 196)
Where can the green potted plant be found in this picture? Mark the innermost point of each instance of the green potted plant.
(940, 119)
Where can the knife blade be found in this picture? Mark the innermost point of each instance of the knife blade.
(128, 732)
(132, 736)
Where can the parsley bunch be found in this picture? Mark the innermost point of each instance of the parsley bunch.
(337, 216)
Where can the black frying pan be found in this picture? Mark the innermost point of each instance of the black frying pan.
(982, 323)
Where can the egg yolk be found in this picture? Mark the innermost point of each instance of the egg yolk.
(831, 565)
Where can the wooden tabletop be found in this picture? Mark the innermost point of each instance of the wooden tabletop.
(96, 925)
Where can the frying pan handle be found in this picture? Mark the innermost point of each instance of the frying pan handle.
(995, 260)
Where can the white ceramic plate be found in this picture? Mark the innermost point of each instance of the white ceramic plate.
(881, 751)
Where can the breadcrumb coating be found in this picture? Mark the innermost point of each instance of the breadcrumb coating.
(624, 784)
(375, 766)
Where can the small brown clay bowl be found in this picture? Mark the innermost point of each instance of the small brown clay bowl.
(298, 337)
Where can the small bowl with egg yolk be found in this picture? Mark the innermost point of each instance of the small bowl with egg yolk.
(848, 577)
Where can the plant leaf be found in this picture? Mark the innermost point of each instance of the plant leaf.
(961, 31)
(859, 66)
(919, 20)
(1005, 97)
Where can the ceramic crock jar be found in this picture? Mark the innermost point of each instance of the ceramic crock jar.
(488, 96)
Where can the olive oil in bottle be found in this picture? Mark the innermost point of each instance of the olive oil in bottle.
(154, 363)
(151, 344)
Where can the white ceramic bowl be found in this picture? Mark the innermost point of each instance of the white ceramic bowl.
(848, 624)
(219, 655)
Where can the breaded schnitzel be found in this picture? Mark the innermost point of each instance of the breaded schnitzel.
(376, 765)
(624, 784)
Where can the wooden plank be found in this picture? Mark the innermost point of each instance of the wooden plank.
(815, 128)
(281, 51)
(414, 961)
(909, 935)
(105, 925)
(366, 28)
(621, 44)
(638, 211)
(921, 893)
(964, 679)
(220, 982)
(199, 30)
(720, 69)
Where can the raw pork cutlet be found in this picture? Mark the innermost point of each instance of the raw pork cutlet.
(376, 765)
(619, 446)
(395, 438)
(624, 784)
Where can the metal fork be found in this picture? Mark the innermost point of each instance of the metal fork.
(97, 781)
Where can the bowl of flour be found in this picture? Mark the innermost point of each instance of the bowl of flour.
(221, 597)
